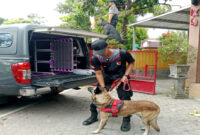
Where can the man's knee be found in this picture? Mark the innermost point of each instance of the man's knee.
(124, 95)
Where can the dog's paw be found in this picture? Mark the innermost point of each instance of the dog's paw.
(95, 132)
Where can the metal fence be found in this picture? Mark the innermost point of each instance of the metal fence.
(143, 78)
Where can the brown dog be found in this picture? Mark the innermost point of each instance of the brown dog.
(148, 111)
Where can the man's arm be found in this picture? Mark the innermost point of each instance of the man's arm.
(100, 79)
(110, 17)
(128, 71)
(128, 58)
(97, 68)
(129, 68)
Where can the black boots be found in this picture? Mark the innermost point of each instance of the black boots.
(126, 126)
(91, 119)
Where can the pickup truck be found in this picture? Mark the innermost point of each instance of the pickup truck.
(35, 56)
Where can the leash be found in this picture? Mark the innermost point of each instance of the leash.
(117, 82)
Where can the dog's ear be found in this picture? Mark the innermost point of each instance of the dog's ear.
(97, 90)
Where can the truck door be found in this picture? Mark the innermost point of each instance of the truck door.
(8, 51)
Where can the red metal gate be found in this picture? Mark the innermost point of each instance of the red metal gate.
(143, 78)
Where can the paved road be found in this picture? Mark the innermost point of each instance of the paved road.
(9, 105)
(63, 115)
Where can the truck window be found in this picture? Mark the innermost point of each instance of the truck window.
(6, 40)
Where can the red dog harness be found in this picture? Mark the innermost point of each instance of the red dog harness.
(114, 108)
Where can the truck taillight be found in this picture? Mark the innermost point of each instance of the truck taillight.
(22, 72)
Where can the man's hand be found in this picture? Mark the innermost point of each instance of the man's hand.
(124, 79)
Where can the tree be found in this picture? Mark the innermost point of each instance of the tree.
(31, 18)
(141, 34)
(129, 11)
(35, 18)
(175, 47)
(130, 8)
(14, 21)
(1, 20)
(76, 21)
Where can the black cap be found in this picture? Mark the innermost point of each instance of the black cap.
(99, 47)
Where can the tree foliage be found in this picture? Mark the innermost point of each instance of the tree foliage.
(76, 21)
(141, 34)
(31, 18)
(78, 12)
(75, 18)
(14, 21)
(175, 47)
(35, 18)
(1, 20)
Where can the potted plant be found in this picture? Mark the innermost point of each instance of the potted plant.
(175, 48)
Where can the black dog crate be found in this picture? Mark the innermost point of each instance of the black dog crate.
(53, 56)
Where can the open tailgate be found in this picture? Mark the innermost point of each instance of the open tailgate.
(69, 80)
(69, 32)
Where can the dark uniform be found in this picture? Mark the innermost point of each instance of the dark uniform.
(113, 68)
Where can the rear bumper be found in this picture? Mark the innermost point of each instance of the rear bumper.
(31, 90)
(27, 91)
(16, 90)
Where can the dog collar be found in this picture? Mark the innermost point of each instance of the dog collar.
(113, 108)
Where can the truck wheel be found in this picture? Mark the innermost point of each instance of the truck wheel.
(56, 90)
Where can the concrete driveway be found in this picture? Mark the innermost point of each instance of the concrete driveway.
(63, 115)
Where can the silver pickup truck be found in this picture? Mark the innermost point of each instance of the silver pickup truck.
(34, 56)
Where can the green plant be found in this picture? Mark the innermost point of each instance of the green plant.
(115, 44)
(175, 47)
(141, 34)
